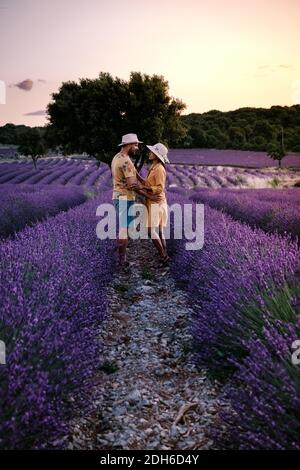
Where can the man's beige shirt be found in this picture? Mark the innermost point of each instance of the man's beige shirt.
(122, 168)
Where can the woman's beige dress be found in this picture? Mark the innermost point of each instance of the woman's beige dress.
(157, 211)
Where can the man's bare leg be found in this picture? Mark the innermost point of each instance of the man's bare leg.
(122, 245)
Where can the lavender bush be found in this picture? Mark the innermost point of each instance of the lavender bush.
(264, 393)
(226, 278)
(244, 287)
(271, 210)
(20, 208)
(53, 281)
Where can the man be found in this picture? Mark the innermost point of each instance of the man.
(124, 187)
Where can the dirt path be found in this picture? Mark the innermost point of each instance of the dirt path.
(152, 396)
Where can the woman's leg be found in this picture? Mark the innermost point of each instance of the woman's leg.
(162, 238)
(166, 257)
(156, 241)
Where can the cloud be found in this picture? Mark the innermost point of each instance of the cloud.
(25, 85)
(265, 70)
(271, 68)
(41, 112)
(290, 67)
(262, 71)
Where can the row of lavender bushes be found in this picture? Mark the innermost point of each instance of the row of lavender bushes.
(64, 171)
(53, 280)
(244, 286)
(58, 172)
(272, 210)
(21, 174)
(27, 204)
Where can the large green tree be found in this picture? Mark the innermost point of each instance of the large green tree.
(92, 115)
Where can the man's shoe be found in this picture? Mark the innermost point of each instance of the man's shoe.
(124, 267)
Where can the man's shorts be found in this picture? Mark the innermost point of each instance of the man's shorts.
(122, 207)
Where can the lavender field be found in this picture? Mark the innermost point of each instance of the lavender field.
(52, 304)
(270, 209)
(68, 171)
(23, 205)
(241, 158)
(245, 289)
(59, 290)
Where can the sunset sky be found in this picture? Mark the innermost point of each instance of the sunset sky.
(215, 54)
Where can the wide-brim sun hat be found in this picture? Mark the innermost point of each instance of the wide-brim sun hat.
(129, 139)
(161, 151)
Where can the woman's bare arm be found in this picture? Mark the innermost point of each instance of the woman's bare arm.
(152, 197)
(140, 179)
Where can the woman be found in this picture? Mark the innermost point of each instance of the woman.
(153, 188)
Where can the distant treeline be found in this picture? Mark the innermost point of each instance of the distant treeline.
(242, 129)
(12, 134)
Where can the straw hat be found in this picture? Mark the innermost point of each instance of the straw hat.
(161, 151)
(129, 139)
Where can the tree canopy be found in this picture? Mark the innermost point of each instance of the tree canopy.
(92, 115)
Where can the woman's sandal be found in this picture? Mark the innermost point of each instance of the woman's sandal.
(165, 260)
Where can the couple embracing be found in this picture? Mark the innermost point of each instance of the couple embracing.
(127, 183)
